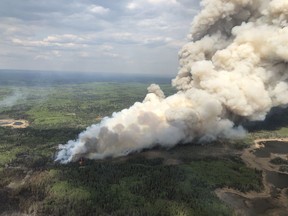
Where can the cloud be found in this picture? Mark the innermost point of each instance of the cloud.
(96, 9)
(140, 4)
(169, 2)
(49, 44)
(132, 5)
(65, 38)
(80, 29)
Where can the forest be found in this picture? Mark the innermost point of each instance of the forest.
(32, 183)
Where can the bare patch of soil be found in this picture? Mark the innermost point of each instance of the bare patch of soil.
(21, 123)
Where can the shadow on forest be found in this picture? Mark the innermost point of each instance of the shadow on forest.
(276, 119)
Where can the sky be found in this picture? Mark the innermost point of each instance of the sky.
(104, 36)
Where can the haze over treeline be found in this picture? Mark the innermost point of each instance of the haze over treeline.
(28, 77)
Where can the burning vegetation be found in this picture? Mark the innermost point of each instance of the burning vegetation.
(228, 71)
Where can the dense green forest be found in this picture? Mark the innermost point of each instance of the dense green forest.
(31, 182)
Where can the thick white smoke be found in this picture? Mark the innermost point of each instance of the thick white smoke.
(235, 65)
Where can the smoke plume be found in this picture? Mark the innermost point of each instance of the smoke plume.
(12, 99)
(235, 65)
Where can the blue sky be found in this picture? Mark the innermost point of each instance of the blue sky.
(119, 36)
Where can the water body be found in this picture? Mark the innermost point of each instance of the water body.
(269, 202)
(245, 206)
(18, 123)
(279, 180)
(276, 147)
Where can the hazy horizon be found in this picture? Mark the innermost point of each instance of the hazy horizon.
(43, 71)
(38, 78)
